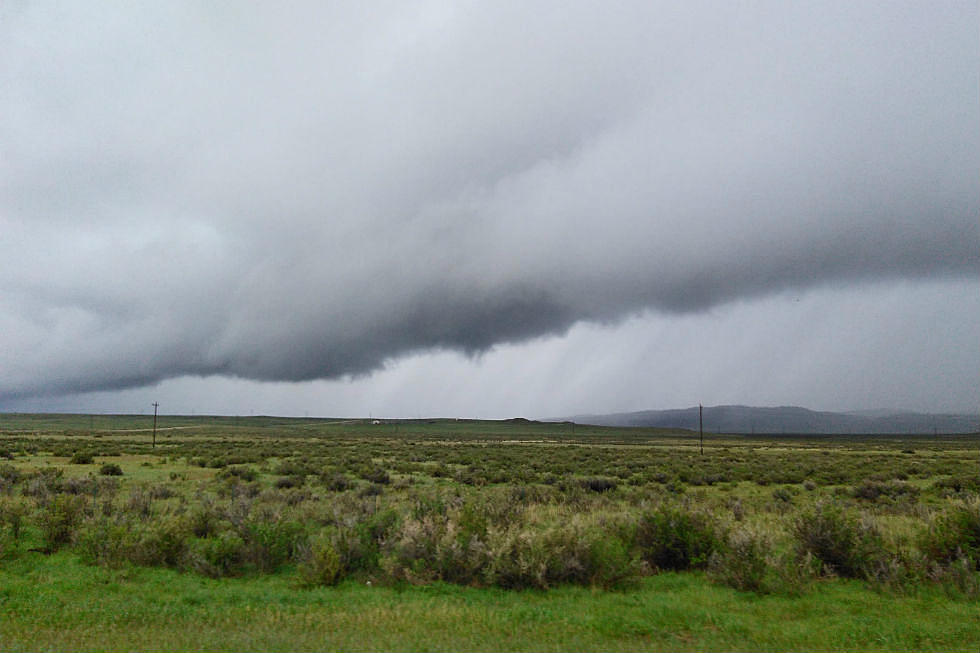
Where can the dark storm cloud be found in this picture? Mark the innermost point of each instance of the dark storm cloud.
(307, 193)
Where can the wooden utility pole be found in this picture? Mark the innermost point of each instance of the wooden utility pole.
(701, 426)
(155, 404)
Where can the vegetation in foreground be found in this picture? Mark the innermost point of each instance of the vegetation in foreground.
(451, 515)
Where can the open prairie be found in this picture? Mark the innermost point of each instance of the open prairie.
(305, 534)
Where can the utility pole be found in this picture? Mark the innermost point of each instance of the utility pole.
(701, 426)
(155, 404)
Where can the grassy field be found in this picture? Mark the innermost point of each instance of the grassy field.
(300, 534)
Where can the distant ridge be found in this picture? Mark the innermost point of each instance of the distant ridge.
(790, 419)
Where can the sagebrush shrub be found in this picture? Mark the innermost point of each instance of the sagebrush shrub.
(12, 513)
(9, 476)
(674, 539)
(743, 562)
(270, 544)
(567, 553)
(845, 545)
(140, 502)
(241, 472)
(375, 474)
(320, 562)
(78, 486)
(111, 469)
(59, 520)
(160, 543)
(335, 481)
(106, 542)
(599, 484)
(954, 535)
(221, 555)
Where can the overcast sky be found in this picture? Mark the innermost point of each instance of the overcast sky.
(489, 209)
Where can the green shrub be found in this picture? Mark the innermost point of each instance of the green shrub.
(673, 539)
(372, 490)
(204, 519)
(59, 520)
(216, 556)
(842, 543)
(782, 496)
(954, 535)
(871, 490)
(111, 469)
(12, 514)
(241, 472)
(321, 563)
(270, 544)
(140, 502)
(959, 483)
(607, 563)
(106, 542)
(599, 484)
(294, 468)
(160, 543)
(9, 476)
(743, 562)
(78, 486)
(82, 458)
(335, 482)
(287, 482)
(375, 474)
(42, 484)
(531, 558)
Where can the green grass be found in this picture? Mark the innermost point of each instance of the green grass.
(58, 603)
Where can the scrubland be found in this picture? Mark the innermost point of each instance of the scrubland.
(263, 533)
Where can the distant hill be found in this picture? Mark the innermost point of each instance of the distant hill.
(790, 419)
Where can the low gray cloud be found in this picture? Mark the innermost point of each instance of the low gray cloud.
(308, 192)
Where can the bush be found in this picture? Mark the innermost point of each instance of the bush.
(106, 543)
(79, 486)
(959, 483)
(670, 538)
(42, 484)
(140, 502)
(375, 474)
(161, 543)
(372, 490)
(844, 545)
(9, 476)
(204, 519)
(59, 520)
(241, 472)
(12, 513)
(81, 458)
(111, 469)
(335, 482)
(287, 482)
(216, 556)
(954, 535)
(599, 484)
(270, 544)
(872, 490)
(743, 563)
(562, 554)
(321, 563)
(294, 468)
